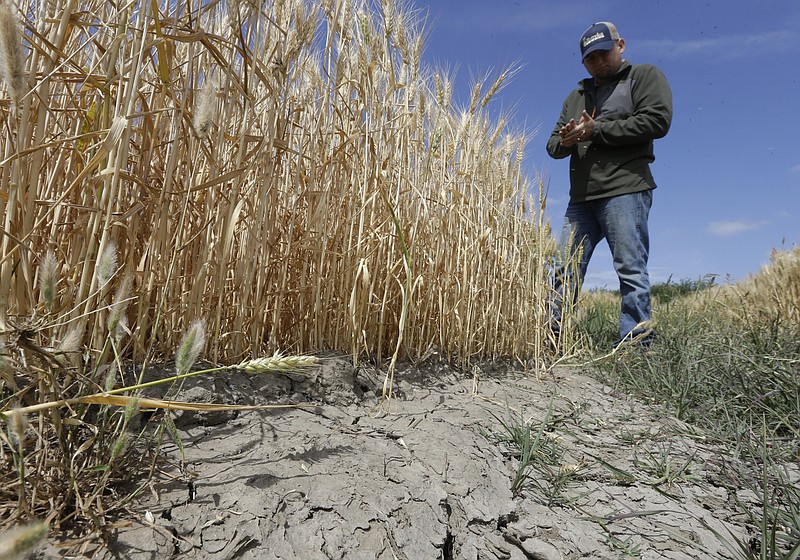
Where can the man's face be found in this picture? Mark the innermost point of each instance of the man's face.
(602, 65)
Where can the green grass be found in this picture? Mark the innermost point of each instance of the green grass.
(727, 362)
(542, 470)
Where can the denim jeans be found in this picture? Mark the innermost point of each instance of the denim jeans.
(622, 221)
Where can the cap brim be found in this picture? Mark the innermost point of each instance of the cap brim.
(599, 46)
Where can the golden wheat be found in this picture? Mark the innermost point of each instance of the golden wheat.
(771, 296)
(332, 198)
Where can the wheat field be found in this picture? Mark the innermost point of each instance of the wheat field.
(236, 180)
(290, 172)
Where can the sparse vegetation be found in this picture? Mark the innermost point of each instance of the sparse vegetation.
(534, 450)
(727, 360)
(542, 468)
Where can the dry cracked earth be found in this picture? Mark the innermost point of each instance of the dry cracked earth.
(433, 477)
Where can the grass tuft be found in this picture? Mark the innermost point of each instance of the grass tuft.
(541, 467)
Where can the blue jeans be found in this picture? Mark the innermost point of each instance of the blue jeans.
(622, 221)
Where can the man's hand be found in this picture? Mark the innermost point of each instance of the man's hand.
(574, 132)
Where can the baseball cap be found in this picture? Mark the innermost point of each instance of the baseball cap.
(601, 36)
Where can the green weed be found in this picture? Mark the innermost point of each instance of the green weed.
(541, 468)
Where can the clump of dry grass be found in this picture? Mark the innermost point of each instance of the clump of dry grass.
(67, 429)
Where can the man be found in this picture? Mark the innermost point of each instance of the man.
(607, 127)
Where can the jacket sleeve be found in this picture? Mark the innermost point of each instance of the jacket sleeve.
(554, 147)
(652, 112)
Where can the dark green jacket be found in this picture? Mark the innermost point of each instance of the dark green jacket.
(617, 158)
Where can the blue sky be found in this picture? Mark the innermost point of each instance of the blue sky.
(728, 173)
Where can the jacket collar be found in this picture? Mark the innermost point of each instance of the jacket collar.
(587, 83)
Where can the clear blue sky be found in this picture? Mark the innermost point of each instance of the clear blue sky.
(728, 173)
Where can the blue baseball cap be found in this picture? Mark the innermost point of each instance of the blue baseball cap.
(601, 36)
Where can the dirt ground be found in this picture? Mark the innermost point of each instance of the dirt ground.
(430, 479)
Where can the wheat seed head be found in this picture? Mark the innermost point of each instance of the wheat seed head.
(190, 347)
(205, 106)
(18, 424)
(107, 264)
(118, 304)
(71, 342)
(48, 279)
(12, 60)
(277, 362)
